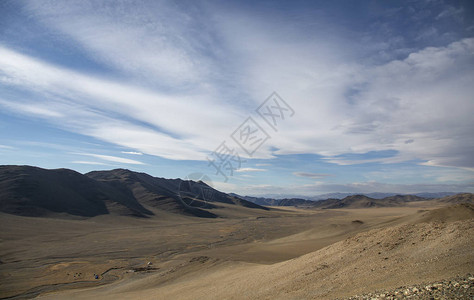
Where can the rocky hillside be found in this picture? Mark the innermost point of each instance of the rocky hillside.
(32, 191)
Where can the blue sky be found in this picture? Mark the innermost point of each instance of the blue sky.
(372, 96)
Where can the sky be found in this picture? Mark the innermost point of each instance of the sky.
(259, 97)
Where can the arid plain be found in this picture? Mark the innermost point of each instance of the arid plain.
(282, 253)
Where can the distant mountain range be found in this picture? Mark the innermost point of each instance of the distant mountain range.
(32, 191)
(343, 195)
(277, 202)
(357, 201)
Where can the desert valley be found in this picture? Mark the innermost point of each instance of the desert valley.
(126, 235)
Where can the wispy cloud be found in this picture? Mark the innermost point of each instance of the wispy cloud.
(112, 158)
(132, 152)
(451, 12)
(30, 108)
(6, 147)
(101, 103)
(83, 162)
(311, 175)
(151, 42)
(250, 170)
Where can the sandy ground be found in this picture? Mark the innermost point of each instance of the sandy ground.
(285, 254)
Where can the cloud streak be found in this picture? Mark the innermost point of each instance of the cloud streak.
(83, 162)
(241, 170)
(311, 175)
(112, 158)
(132, 153)
(95, 107)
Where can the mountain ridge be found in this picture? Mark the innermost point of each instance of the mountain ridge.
(375, 195)
(33, 191)
(358, 201)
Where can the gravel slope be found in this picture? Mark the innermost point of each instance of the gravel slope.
(461, 287)
(425, 249)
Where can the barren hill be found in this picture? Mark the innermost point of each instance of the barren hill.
(32, 191)
(362, 201)
(277, 202)
(462, 211)
(173, 195)
(459, 198)
(152, 192)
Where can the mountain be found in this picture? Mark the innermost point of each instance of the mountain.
(33, 191)
(352, 201)
(348, 201)
(324, 196)
(363, 201)
(277, 202)
(450, 213)
(295, 202)
(259, 200)
(435, 195)
(375, 195)
(360, 201)
(334, 196)
(459, 198)
(379, 195)
(153, 192)
(173, 195)
(400, 199)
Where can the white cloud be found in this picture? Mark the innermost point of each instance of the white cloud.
(246, 176)
(311, 175)
(342, 107)
(451, 11)
(146, 41)
(132, 153)
(250, 170)
(83, 162)
(113, 158)
(31, 109)
(94, 106)
(6, 147)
